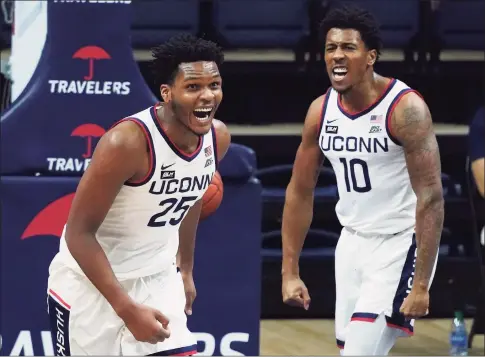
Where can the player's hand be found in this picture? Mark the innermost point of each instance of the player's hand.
(145, 323)
(295, 293)
(416, 304)
(190, 292)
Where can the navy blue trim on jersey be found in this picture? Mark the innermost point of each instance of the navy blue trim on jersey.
(397, 320)
(214, 141)
(394, 102)
(175, 149)
(354, 116)
(340, 343)
(322, 114)
(400, 324)
(151, 150)
(59, 323)
(181, 351)
(364, 316)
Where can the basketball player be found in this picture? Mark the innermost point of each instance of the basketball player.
(378, 135)
(114, 288)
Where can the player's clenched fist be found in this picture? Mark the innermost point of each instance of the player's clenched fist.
(146, 324)
(416, 304)
(295, 292)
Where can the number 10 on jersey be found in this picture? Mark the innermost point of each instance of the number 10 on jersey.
(350, 168)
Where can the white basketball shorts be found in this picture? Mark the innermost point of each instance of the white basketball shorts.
(84, 323)
(373, 275)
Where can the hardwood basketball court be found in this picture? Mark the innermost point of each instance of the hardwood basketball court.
(317, 338)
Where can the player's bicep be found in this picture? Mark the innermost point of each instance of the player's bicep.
(306, 167)
(413, 127)
(309, 157)
(116, 159)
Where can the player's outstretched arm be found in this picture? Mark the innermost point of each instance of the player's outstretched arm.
(412, 125)
(298, 208)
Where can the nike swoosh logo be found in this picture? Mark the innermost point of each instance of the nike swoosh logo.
(331, 121)
(166, 167)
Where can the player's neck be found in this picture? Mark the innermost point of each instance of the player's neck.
(178, 133)
(364, 94)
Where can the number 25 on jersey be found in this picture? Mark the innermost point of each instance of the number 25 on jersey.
(173, 207)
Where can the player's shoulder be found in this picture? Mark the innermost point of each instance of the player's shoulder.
(410, 115)
(314, 113)
(410, 101)
(223, 137)
(313, 119)
(317, 103)
(127, 135)
(219, 126)
(406, 100)
(221, 130)
(407, 95)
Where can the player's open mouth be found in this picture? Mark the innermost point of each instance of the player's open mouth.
(339, 73)
(203, 114)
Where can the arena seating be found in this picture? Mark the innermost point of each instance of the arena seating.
(155, 21)
(253, 23)
(462, 24)
(260, 23)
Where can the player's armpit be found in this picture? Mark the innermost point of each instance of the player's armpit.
(187, 234)
(298, 208)
(118, 157)
(223, 138)
(412, 126)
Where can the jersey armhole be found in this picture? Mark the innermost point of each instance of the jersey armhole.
(391, 109)
(214, 142)
(149, 141)
(322, 113)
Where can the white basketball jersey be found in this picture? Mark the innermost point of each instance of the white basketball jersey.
(375, 193)
(140, 234)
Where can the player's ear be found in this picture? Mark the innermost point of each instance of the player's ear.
(371, 57)
(166, 93)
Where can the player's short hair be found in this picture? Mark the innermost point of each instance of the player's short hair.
(182, 48)
(350, 16)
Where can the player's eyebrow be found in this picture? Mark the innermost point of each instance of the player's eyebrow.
(336, 43)
(194, 77)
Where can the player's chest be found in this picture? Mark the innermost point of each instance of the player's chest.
(366, 136)
(176, 178)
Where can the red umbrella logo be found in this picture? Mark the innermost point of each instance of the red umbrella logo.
(91, 53)
(50, 221)
(88, 131)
